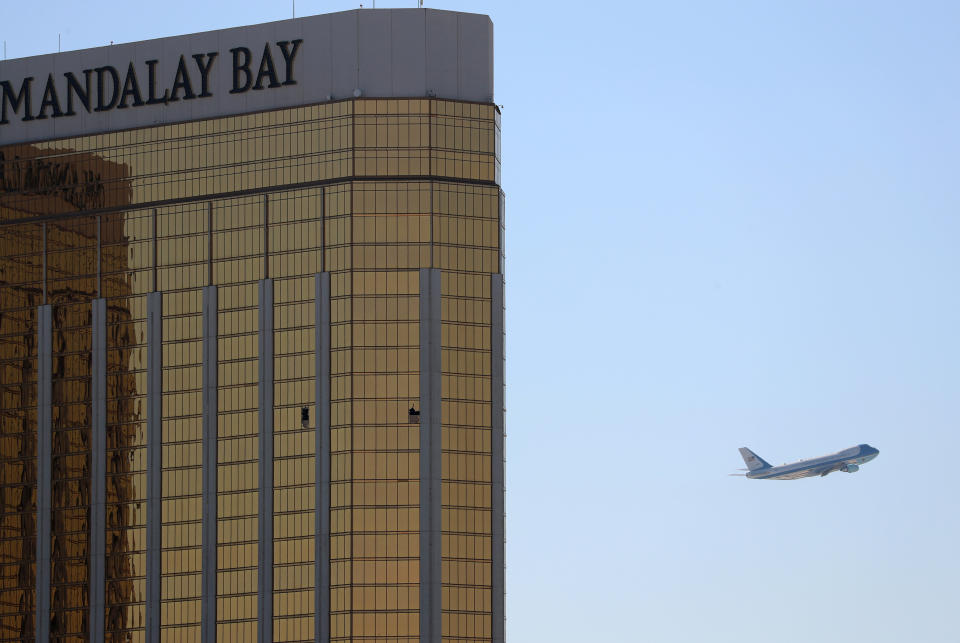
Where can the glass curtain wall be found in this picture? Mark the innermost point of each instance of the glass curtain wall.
(21, 288)
(368, 190)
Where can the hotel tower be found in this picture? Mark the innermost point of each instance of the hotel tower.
(252, 336)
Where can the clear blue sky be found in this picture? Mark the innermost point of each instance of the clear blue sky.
(729, 223)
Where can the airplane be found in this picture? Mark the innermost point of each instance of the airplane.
(848, 460)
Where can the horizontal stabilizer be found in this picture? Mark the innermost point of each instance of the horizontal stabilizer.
(752, 460)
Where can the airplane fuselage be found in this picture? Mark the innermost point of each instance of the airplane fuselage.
(848, 460)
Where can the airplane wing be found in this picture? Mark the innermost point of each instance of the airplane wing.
(831, 469)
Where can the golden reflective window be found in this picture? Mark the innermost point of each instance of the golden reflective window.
(370, 190)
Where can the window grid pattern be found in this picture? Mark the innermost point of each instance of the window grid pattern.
(466, 227)
(384, 453)
(464, 141)
(125, 282)
(70, 490)
(295, 235)
(337, 231)
(20, 294)
(71, 257)
(410, 137)
(411, 210)
(237, 268)
(182, 431)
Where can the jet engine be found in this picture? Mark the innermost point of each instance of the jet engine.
(850, 468)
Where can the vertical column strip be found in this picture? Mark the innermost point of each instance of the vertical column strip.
(208, 608)
(44, 466)
(322, 482)
(98, 472)
(265, 494)
(497, 456)
(430, 457)
(154, 461)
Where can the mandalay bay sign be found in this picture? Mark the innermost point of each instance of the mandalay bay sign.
(104, 88)
(385, 53)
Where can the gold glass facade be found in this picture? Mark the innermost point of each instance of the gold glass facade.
(367, 190)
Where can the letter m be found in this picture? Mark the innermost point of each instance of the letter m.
(15, 101)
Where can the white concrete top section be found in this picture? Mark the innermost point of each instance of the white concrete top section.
(364, 52)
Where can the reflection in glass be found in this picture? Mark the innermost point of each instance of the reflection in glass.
(369, 190)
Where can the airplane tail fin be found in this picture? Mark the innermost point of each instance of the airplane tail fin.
(752, 460)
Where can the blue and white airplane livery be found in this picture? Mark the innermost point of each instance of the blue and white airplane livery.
(848, 460)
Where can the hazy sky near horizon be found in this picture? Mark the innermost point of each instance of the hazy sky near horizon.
(728, 224)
